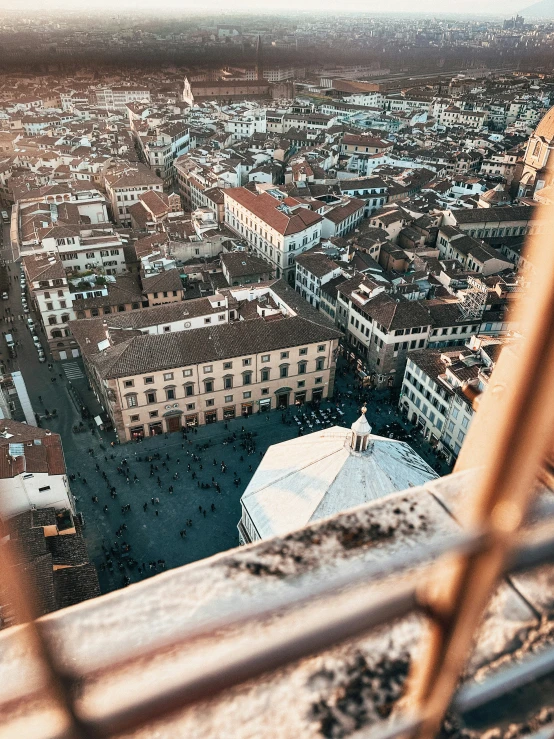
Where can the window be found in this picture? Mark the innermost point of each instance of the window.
(284, 370)
(129, 383)
(191, 406)
(265, 391)
(227, 365)
(302, 368)
(150, 398)
(210, 403)
(207, 320)
(228, 382)
(284, 355)
(153, 414)
(265, 357)
(134, 418)
(265, 375)
(247, 378)
(321, 348)
(303, 351)
(168, 375)
(187, 373)
(246, 362)
(319, 364)
(318, 380)
(148, 380)
(451, 426)
(131, 401)
(208, 386)
(208, 368)
(247, 395)
(301, 383)
(52, 320)
(170, 394)
(228, 399)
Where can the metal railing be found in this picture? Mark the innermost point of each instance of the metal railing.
(511, 439)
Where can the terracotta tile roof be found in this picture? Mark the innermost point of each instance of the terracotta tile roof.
(316, 263)
(156, 203)
(169, 280)
(45, 456)
(152, 352)
(43, 267)
(342, 212)
(132, 178)
(75, 584)
(239, 264)
(266, 207)
(149, 244)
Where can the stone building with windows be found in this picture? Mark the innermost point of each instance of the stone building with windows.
(380, 328)
(125, 186)
(249, 350)
(440, 387)
(276, 227)
(52, 296)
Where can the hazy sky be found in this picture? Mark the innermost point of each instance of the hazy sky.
(438, 7)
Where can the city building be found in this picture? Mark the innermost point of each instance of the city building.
(251, 349)
(32, 470)
(124, 188)
(440, 387)
(313, 270)
(276, 227)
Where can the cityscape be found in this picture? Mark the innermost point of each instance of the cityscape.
(260, 273)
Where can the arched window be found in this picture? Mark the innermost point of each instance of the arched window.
(52, 320)
(57, 335)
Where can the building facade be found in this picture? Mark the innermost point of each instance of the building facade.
(283, 354)
(277, 228)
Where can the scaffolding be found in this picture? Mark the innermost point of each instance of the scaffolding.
(475, 298)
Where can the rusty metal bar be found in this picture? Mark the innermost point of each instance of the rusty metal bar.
(475, 695)
(328, 586)
(522, 394)
(534, 550)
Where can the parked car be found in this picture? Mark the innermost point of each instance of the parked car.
(36, 341)
(41, 357)
(30, 324)
(26, 308)
(5, 216)
(4, 296)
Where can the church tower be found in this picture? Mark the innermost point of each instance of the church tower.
(259, 61)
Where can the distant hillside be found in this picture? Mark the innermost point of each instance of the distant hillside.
(542, 9)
